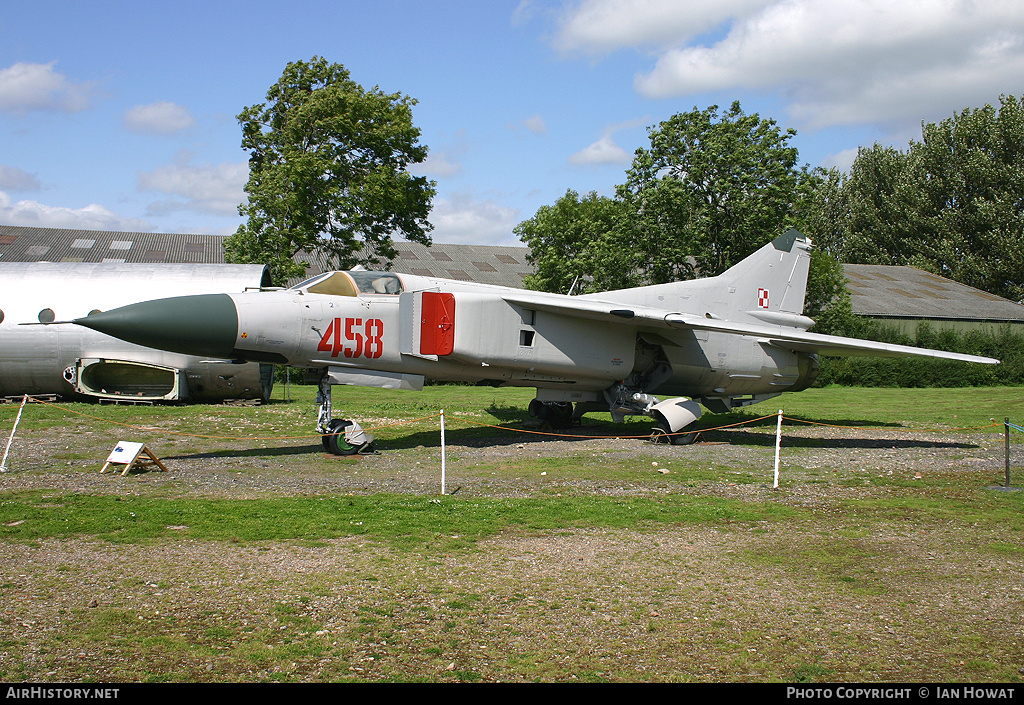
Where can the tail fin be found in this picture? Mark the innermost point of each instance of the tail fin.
(768, 286)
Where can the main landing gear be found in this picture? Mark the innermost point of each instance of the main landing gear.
(662, 433)
(557, 414)
(670, 416)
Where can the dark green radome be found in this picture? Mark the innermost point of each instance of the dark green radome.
(205, 325)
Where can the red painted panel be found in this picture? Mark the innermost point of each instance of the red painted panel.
(437, 324)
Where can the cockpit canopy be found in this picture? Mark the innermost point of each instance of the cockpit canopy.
(352, 283)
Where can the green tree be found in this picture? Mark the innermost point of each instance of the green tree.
(971, 171)
(566, 243)
(952, 204)
(713, 187)
(820, 209)
(828, 300)
(884, 201)
(328, 173)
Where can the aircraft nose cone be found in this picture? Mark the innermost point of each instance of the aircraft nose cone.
(205, 325)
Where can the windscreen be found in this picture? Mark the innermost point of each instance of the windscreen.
(353, 283)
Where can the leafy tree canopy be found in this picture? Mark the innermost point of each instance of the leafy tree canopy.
(713, 187)
(952, 204)
(567, 244)
(328, 173)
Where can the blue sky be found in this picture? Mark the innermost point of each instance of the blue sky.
(121, 115)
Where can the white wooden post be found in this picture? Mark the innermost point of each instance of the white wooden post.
(778, 443)
(3, 463)
(442, 454)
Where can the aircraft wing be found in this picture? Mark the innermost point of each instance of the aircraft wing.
(838, 346)
(780, 336)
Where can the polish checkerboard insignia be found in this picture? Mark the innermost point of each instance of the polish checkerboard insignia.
(762, 298)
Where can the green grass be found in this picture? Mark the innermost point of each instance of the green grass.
(467, 407)
(981, 508)
(912, 408)
(891, 583)
(445, 523)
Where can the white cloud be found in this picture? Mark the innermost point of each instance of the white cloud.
(92, 217)
(842, 161)
(461, 218)
(598, 26)
(162, 118)
(444, 162)
(28, 87)
(211, 189)
(523, 13)
(14, 179)
(604, 151)
(535, 124)
(437, 164)
(834, 63)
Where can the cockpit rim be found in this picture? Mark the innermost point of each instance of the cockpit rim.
(352, 283)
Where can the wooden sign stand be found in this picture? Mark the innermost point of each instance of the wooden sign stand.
(132, 455)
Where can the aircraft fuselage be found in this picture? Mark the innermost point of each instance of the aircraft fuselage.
(475, 335)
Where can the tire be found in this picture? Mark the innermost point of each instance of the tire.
(335, 442)
(558, 414)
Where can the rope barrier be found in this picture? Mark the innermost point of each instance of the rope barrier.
(156, 429)
(655, 434)
(745, 422)
(651, 436)
(911, 430)
(546, 433)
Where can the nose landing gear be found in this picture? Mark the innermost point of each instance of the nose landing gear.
(340, 436)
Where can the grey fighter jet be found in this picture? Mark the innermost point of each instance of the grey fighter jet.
(721, 342)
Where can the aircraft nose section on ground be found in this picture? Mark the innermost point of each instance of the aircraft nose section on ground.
(203, 325)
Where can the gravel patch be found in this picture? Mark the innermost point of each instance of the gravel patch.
(816, 598)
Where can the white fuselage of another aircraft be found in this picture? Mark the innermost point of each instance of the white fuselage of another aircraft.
(72, 360)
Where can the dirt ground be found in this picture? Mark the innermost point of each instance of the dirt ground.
(240, 470)
(812, 598)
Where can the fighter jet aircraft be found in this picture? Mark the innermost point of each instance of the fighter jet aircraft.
(721, 342)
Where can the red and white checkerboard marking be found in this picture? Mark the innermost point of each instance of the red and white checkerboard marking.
(762, 298)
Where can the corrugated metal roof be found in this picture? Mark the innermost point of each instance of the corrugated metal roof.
(884, 291)
(23, 244)
(875, 290)
(486, 264)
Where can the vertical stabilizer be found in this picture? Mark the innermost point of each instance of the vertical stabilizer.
(768, 287)
(771, 283)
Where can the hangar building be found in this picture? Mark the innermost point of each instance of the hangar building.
(898, 296)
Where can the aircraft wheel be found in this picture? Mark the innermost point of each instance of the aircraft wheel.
(676, 439)
(556, 413)
(561, 414)
(335, 442)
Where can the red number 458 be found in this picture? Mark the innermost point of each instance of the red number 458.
(360, 339)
